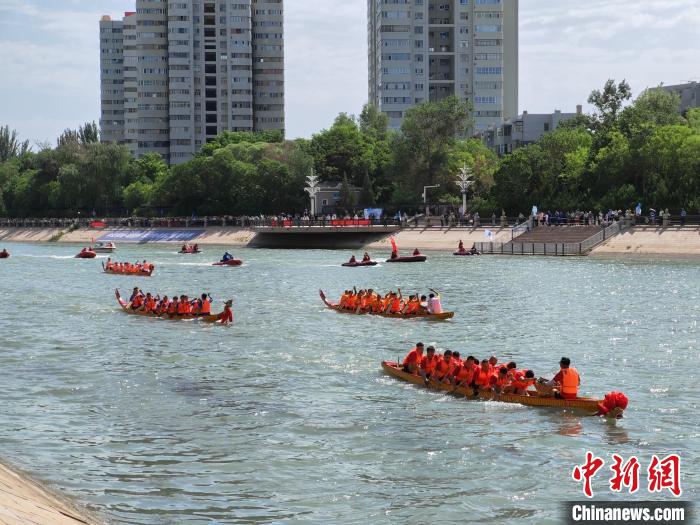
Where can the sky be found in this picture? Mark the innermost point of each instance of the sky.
(49, 57)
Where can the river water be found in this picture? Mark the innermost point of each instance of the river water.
(286, 416)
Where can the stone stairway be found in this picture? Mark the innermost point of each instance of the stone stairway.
(558, 234)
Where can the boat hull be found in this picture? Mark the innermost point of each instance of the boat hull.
(465, 254)
(139, 274)
(232, 262)
(359, 264)
(411, 259)
(584, 404)
(86, 255)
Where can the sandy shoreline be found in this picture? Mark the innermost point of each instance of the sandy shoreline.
(672, 241)
(25, 501)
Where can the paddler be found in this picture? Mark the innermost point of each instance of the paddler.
(444, 368)
(352, 260)
(482, 378)
(366, 257)
(412, 306)
(396, 303)
(227, 257)
(460, 248)
(427, 364)
(4, 253)
(564, 385)
(522, 380)
(411, 363)
(416, 253)
(462, 374)
(195, 249)
(174, 306)
(150, 303)
(205, 304)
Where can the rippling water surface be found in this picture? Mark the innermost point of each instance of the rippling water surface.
(286, 415)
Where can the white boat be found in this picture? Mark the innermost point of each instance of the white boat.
(104, 247)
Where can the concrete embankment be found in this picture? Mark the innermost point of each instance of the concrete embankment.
(24, 501)
(649, 240)
(640, 240)
(408, 239)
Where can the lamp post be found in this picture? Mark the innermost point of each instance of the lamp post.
(464, 182)
(312, 189)
(425, 197)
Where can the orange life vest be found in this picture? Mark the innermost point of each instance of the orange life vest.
(428, 364)
(206, 307)
(412, 357)
(482, 378)
(569, 383)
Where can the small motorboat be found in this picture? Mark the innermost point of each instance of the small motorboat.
(359, 263)
(187, 249)
(230, 262)
(466, 253)
(408, 259)
(86, 254)
(104, 247)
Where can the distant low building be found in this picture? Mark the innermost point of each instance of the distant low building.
(689, 93)
(328, 197)
(528, 128)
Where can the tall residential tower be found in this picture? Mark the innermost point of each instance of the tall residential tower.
(174, 74)
(423, 50)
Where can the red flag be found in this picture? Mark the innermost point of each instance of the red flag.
(394, 248)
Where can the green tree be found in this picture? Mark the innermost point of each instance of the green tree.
(428, 134)
(367, 193)
(609, 102)
(347, 196)
(10, 145)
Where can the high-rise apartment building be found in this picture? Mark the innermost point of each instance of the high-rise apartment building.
(174, 74)
(423, 50)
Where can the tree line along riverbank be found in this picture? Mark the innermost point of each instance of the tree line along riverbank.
(622, 154)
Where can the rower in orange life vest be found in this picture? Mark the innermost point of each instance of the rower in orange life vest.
(204, 304)
(522, 380)
(395, 305)
(366, 257)
(564, 385)
(428, 364)
(444, 368)
(482, 377)
(463, 373)
(412, 306)
(411, 363)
